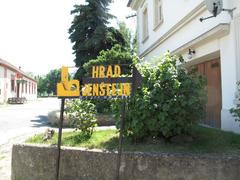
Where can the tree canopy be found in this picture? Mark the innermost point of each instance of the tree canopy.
(127, 35)
(47, 84)
(89, 32)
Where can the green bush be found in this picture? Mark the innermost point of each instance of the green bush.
(116, 55)
(236, 110)
(102, 106)
(82, 115)
(169, 103)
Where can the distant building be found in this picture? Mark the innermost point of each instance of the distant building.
(213, 46)
(15, 83)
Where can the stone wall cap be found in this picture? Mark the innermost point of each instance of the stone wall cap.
(153, 154)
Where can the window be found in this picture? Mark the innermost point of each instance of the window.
(22, 88)
(26, 87)
(12, 85)
(145, 24)
(158, 14)
(35, 89)
(12, 82)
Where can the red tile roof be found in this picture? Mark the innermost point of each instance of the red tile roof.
(15, 69)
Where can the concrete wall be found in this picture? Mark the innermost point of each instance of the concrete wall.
(38, 163)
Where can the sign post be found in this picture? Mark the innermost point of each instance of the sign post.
(60, 136)
(106, 82)
(122, 124)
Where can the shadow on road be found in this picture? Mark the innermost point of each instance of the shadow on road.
(41, 121)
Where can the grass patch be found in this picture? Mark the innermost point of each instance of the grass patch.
(205, 140)
(77, 139)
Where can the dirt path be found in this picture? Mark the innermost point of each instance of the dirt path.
(5, 156)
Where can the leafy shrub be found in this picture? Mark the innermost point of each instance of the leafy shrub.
(102, 106)
(82, 115)
(169, 103)
(116, 55)
(236, 110)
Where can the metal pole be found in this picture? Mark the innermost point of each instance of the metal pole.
(60, 137)
(122, 123)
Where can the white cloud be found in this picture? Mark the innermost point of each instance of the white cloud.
(121, 11)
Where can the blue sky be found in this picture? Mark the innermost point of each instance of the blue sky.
(34, 33)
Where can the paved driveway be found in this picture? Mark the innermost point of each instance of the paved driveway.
(16, 120)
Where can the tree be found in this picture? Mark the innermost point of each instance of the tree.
(135, 43)
(42, 88)
(127, 35)
(52, 78)
(48, 83)
(89, 32)
(115, 55)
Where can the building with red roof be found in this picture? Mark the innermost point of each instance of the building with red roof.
(14, 83)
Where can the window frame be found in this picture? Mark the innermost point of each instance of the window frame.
(26, 87)
(12, 82)
(29, 89)
(145, 25)
(158, 14)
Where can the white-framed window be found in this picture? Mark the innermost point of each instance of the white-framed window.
(145, 24)
(12, 83)
(158, 13)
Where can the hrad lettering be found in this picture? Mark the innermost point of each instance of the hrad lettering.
(106, 81)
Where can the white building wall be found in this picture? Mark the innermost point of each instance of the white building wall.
(216, 37)
(5, 85)
(229, 79)
(1, 84)
(189, 29)
(173, 12)
(31, 93)
(10, 93)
